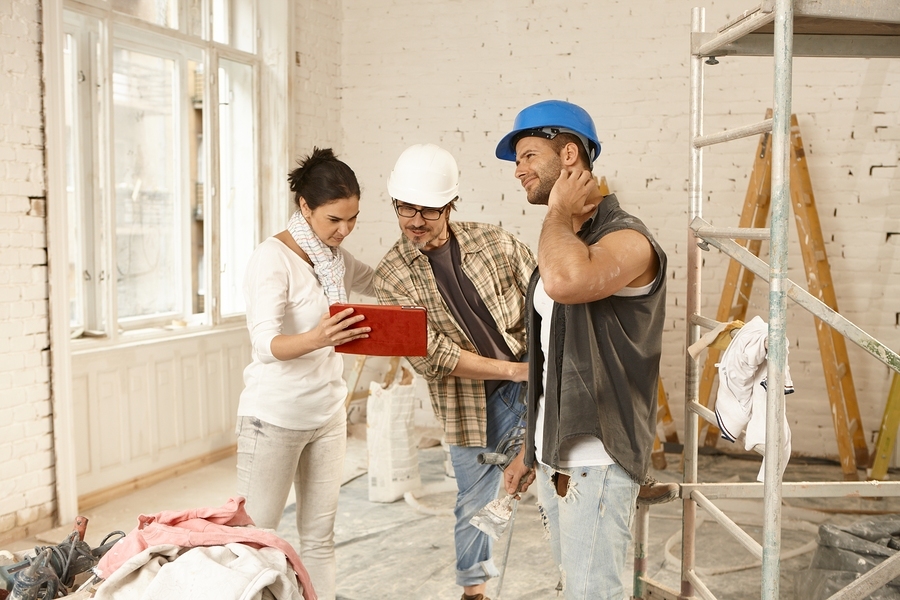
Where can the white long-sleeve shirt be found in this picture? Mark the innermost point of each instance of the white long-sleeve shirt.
(284, 297)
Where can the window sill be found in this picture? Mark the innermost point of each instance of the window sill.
(151, 335)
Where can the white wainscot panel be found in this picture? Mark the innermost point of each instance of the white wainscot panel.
(80, 410)
(144, 407)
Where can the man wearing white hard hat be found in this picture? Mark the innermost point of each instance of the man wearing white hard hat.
(596, 309)
(471, 278)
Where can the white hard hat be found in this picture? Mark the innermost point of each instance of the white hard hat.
(424, 175)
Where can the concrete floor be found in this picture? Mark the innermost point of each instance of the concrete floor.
(398, 550)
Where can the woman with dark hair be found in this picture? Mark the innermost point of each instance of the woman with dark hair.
(291, 419)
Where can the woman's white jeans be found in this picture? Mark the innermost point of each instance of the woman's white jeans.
(270, 459)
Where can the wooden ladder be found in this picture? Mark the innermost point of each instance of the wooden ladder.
(846, 418)
(887, 434)
(665, 422)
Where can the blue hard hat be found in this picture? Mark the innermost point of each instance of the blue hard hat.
(547, 119)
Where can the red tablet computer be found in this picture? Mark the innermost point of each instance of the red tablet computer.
(396, 330)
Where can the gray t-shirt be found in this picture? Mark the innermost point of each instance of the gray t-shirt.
(467, 307)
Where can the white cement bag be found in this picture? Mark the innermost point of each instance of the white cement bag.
(393, 456)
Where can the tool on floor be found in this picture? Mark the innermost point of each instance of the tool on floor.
(36, 580)
(53, 568)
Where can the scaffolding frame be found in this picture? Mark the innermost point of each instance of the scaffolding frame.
(781, 29)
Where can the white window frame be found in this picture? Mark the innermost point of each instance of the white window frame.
(148, 43)
(274, 122)
(88, 151)
(235, 56)
(119, 30)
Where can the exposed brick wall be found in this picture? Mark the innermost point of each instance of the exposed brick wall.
(456, 73)
(315, 69)
(27, 502)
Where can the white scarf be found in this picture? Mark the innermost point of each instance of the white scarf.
(328, 263)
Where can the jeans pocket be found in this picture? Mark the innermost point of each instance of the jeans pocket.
(511, 394)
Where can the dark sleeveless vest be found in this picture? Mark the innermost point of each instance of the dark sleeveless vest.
(604, 366)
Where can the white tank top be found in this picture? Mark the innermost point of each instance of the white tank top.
(584, 450)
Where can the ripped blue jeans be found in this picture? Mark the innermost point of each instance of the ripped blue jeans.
(589, 528)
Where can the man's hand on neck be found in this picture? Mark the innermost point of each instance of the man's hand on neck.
(574, 196)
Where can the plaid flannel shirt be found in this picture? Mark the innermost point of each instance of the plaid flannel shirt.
(499, 266)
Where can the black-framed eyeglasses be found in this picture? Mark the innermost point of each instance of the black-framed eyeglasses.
(408, 211)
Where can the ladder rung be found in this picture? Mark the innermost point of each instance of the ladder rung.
(743, 233)
(711, 46)
(796, 489)
(699, 587)
(728, 135)
(752, 12)
(728, 524)
(702, 411)
(704, 321)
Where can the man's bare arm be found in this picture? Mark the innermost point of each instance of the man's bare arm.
(473, 366)
(575, 273)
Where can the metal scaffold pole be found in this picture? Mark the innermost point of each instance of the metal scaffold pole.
(778, 275)
(767, 30)
(694, 263)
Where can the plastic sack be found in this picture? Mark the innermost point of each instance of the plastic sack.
(845, 552)
(393, 456)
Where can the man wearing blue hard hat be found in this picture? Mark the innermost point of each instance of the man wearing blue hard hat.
(595, 313)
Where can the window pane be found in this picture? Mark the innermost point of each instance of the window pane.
(76, 267)
(82, 100)
(196, 165)
(148, 273)
(194, 10)
(243, 25)
(234, 23)
(237, 180)
(220, 20)
(160, 12)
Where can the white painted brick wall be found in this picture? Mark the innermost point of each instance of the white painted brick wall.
(315, 77)
(455, 73)
(27, 476)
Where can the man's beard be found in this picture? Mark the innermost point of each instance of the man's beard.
(429, 235)
(420, 246)
(540, 195)
(547, 177)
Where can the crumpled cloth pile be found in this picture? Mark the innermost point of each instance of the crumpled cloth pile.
(202, 554)
(741, 397)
